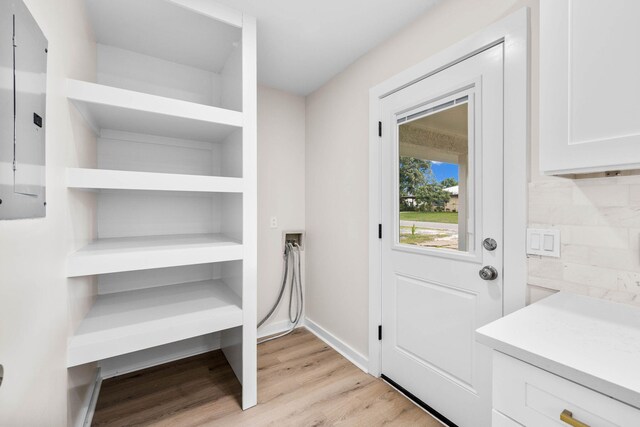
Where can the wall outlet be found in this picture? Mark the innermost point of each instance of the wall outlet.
(274, 222)
(543, 242)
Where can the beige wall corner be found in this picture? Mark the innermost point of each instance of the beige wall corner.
(281, 190)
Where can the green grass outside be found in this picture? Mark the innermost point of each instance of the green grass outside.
(444, 217)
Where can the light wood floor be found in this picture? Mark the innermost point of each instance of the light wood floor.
(301, 382)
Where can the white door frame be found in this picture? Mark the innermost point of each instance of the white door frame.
(513, 32)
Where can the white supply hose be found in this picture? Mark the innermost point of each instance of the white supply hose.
(296, 297)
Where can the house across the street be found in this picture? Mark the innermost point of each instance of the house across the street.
(452, 204)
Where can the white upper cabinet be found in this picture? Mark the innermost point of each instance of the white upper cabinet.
(589, 86)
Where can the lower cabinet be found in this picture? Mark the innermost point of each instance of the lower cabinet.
(525, 395)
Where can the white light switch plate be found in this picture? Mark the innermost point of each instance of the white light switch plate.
(545, 242)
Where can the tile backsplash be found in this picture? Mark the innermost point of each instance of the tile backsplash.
(599, 221)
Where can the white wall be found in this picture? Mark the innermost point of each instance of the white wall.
(37, 313)
(134, 71)
(281, 189)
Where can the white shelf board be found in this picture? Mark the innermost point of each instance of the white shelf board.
(130, 180)
(125, 322)
(106, 107)
(142, 253)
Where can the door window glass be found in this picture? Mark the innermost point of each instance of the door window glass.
(434, 178)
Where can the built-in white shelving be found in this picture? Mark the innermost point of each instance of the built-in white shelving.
(106, 107)
(124, 322)
(143, 253)
(174, 110)
(101, 179)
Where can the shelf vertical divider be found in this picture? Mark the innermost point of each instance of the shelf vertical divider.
(250, 209)
(239, 344)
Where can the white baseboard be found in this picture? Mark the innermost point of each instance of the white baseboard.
(338, 345)
(89, 404)
(275, 328)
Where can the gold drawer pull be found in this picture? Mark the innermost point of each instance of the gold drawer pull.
(567, 417)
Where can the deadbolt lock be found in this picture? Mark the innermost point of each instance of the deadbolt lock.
(490, 244)
(488, 273)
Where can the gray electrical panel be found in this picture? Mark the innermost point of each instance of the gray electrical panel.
(23, 77)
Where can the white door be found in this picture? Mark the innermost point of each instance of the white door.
(446, 127)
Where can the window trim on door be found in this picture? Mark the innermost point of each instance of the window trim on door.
(473, 92)
(513, 33)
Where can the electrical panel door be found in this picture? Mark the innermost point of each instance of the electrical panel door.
(23, 64)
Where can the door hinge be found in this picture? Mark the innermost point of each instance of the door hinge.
(379, 332)
(380, 129)
(379, 231)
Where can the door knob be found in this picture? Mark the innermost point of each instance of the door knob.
(488, 273)
(490, 244)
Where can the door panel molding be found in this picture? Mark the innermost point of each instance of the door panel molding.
(467, 307)
(513, 32)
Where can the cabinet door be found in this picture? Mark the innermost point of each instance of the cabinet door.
(589, 85)
(30, 70)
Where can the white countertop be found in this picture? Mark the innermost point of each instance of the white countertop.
(590, 341)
